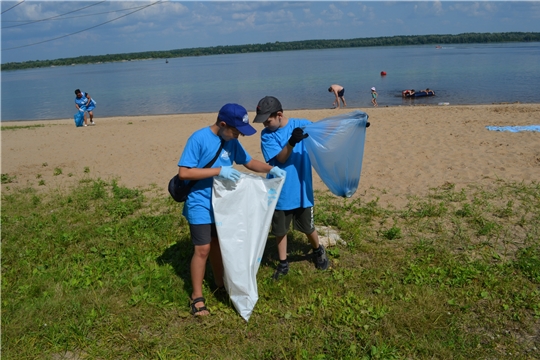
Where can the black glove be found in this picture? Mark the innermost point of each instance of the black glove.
(297, 136)
(367, 124)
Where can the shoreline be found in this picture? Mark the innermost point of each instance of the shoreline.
(348, 109)
(408, 149)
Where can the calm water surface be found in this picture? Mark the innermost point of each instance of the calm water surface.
(459, 74)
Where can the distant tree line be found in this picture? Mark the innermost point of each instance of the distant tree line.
(465, 38)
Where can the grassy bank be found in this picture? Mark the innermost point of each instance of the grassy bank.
(100, 271)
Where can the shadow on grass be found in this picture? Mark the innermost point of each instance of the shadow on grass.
(179, 255)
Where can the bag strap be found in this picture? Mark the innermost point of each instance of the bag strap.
(216, 156)
(193, 182)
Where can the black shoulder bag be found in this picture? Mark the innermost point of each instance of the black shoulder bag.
(179, 189)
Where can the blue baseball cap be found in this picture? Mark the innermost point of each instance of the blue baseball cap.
(236, 116)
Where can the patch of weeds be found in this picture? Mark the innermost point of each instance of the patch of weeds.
(98, 190)
(8, 179)
(44, 164)
(465, 211)
(334, 252)
(38, 176)
(484, 227)
(392, 233)
(506, 211)
(70, 174)
(41, 182)
(86, 170)
(446, 192)
(424, 209)
(383, 351)
(122, 192)
(57, 171)
(17, 127)
(528, 261)
(130, 123)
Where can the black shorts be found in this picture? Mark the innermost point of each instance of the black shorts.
(341, 92)
(303, 221)
(202, 234)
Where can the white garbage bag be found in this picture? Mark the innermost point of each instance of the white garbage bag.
(243, 212)
(336, 148)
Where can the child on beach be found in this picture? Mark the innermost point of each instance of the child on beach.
(281, 145)
(200, 149)
(84, 103)
(374, 96)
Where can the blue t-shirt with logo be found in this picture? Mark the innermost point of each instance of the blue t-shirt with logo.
(297, 191)
(200, 149)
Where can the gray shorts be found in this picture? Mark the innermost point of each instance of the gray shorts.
(303, 221)
(202, 234)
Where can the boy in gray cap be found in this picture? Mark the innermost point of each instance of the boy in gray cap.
(282, 146)
(220, 138)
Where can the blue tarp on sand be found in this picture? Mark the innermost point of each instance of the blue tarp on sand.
(514, 128)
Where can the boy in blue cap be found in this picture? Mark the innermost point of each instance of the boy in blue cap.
(282, 146)
(200, 149)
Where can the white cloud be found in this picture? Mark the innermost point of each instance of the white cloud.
(332, 13)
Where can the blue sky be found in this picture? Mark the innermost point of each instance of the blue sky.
(109, 28)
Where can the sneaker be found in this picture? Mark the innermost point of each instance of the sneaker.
(282, 270)
(92, 123)
(85, 125)
(321, 259)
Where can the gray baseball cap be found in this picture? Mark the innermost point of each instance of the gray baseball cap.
(266, 107)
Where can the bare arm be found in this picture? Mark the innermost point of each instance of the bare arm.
(284, 153)
(89, 99)
(258, 166)
(337, 97)
(186, 173)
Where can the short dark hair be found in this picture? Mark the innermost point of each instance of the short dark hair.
(77, 91)
(330, 88)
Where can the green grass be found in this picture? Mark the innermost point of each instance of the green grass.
(8, 179)
(101, 271)
(18, 127)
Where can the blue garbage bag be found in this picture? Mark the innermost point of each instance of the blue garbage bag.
(336, 148)
(79, 118)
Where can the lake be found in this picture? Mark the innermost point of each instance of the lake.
(459, 74)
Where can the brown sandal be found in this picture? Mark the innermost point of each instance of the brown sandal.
(196, 310)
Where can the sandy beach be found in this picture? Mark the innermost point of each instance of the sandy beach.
(407, 151)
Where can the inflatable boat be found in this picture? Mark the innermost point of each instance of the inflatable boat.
(412, 93)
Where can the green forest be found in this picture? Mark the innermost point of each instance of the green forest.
(465, 38)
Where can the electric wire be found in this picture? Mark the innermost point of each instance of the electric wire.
(17, 4)
(53, 17)
(80, 31)
(71, 17)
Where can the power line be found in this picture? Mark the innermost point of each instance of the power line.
(71, 17)
(77, 32)
(52, 17)
(17, 4)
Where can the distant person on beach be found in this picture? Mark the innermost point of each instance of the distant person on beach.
(84, 103)
(374, 96)
(201, 147)
(338, 91)
(282, 146)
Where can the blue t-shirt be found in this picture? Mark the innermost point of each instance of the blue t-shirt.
(200, 149)
(83, 100)
(297, 191)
